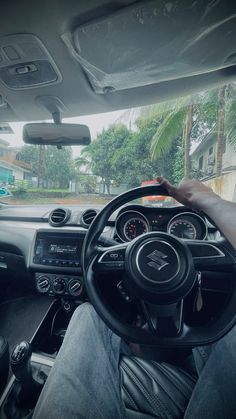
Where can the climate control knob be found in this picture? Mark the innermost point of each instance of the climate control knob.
(43, 284)
(75, 287)
(59, 285)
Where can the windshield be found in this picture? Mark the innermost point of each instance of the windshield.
(193, 136)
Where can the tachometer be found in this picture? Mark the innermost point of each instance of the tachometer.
(183, 229)
(134, 227)
(131, 224)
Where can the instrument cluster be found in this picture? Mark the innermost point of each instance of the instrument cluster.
(184, 225)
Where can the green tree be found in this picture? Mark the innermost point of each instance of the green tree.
(30, 154)
(88, 183)
(57, 165)
(81, 163)
(226, 122)
(178, 164)
(102, 150)
(133, 163)
(190, 118)
(230, 112)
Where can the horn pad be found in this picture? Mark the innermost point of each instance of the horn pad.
(160, 268)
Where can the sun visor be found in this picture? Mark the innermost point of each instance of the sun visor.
(153, 41)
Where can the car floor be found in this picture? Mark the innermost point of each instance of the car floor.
(20, 317)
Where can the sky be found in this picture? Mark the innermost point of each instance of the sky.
(96, 123)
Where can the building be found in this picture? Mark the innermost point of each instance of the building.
(11, 169)
(204, 157)
(203, 161)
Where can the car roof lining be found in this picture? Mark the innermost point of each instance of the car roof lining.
(48, 21)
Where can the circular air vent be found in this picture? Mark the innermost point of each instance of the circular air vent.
(87, 217)
(59, 216)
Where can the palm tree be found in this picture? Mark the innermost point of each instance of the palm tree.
(220, 129)
(80, 162)
(230, 112)
(188, 124)
(226, 122)
(177, 122)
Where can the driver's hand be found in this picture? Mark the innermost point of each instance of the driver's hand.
(191, 193)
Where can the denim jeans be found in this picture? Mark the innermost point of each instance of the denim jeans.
(84, 382)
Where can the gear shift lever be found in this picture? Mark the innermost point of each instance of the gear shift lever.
(20, 362)
(29, 388)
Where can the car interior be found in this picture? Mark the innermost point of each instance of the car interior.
(65, 59)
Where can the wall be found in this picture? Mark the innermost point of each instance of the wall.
(229, 156)
(225, 185)
(204, 151)
(18, 174)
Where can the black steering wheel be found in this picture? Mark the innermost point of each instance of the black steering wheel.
(159, 270)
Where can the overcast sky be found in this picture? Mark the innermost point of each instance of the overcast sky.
(95, 123)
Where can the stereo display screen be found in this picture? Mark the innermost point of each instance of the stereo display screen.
(61, 250)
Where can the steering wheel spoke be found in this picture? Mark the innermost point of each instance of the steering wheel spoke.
(164, 320)
(110, 259)
(210, 255)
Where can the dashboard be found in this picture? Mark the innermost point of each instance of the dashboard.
(51, 255)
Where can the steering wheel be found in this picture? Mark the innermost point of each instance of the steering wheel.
(159, 270)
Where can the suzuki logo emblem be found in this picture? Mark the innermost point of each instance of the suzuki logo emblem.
(157, 260)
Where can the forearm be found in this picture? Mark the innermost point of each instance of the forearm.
(223, 213)
(198, 196)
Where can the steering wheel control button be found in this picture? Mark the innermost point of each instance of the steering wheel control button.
(112, 259)
(123, 292)
(160, 268)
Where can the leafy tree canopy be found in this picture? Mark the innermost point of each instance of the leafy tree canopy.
(57, 164)
(102, 150)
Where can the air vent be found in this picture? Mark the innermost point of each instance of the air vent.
(59, 216)
(87, 217)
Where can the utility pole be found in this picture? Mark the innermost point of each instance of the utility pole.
(41, 165)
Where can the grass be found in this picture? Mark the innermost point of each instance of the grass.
(35, 190)
(71, 200)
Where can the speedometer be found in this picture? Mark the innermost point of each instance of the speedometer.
(134, 227)
(187, 225)
(183, 229)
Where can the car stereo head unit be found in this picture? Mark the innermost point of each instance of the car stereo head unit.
(58, 249)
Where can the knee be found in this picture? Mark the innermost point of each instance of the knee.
(84, 310)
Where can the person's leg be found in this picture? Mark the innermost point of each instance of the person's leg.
(84, 381)
(214, 394)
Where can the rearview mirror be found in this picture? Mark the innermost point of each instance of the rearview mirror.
(56, 134)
